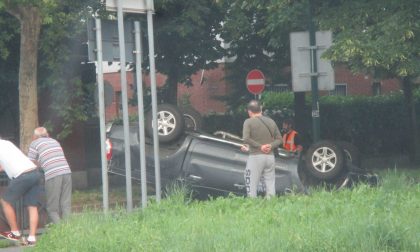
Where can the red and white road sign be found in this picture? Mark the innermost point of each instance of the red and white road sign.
(255, 81)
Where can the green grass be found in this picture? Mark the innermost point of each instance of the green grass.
(384, 218)
(6, 243)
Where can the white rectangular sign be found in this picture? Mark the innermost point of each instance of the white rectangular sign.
(132, 6)
(301, 61)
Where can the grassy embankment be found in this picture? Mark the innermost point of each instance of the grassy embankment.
(384, 218)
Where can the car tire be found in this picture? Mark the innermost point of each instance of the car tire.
(325, 160)
(351, 153)
(170, 123)
(192, 119)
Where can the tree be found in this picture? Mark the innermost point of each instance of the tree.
(32, 15)
(257, 33)
(67, 83)
(29, 15)
(378, 37)
(186, 40)
(374, 36)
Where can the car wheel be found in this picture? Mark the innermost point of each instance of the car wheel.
(351, 153)
(324, 160)
(170, 123)
(192, 119)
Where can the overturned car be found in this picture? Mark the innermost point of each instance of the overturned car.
(214, 164)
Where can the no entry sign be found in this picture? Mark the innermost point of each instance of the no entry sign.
(255, 81)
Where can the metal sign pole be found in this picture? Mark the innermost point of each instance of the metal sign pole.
(314, 76)
(124, 97)
(100, 79)
(154, 96)
(139, 81)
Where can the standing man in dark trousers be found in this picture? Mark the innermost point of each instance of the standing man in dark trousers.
(261, 135)
(25, 183)
(48, 154)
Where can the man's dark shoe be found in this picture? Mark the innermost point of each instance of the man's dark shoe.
(10, 236)
(30, 243)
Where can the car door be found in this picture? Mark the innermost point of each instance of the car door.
(216, 165)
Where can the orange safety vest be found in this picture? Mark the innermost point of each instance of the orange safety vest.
(289, 141)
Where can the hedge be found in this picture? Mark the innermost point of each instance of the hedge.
(375, 124)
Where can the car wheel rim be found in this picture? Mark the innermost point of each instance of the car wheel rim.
(166, 123)
(324, 159)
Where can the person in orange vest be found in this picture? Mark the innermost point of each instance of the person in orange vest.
(290, 137)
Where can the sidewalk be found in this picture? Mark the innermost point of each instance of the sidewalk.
(12, 249)
(16, 248)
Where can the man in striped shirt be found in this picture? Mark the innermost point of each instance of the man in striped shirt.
(47, 153)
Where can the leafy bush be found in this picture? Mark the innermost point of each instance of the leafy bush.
(376, 125)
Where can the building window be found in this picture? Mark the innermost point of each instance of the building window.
(376, 88)
(278, 88)
(340, 89)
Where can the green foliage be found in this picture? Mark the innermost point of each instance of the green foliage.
(277, 100)
(64, 98)
(186, 39)
(8, 34)
(70, 98)
(377, 125)
(375, 36)
(9, 64)
(255, 40)
(383, 218)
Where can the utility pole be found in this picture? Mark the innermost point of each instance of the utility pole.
(314, 76)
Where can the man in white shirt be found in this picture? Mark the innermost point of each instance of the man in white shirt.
(25, 183)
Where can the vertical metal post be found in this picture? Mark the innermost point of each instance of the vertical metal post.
(121, 41)
(314, 76)
(100, 79)
(139, 81)
(154, 96)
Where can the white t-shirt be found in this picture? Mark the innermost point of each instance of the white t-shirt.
(12, 160)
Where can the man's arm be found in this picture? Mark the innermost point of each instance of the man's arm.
(278, 139)
(246, 135)
(1, 168)
(33, 154)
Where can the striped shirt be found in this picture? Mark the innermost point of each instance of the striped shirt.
(50, 157)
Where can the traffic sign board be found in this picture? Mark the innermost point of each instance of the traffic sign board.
(255, 81)
(130, 6)
(302, 66)
(110, 43)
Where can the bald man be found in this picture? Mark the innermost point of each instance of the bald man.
(47, 153)
(261, 136)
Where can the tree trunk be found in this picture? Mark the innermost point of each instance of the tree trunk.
(30, 24)
(299, 104)
(411, 109)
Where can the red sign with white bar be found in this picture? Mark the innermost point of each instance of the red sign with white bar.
(255, 81)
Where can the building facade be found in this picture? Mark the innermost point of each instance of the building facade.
(209, 85)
